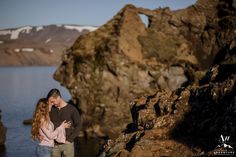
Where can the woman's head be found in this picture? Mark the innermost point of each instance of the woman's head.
(41, 113)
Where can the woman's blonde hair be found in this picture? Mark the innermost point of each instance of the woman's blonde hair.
(41, 113)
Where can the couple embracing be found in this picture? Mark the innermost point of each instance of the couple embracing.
(55, 124)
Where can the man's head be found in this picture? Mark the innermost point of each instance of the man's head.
(54, 97)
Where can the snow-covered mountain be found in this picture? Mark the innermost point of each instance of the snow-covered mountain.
(42, 45)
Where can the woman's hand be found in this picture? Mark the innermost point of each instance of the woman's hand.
(66, 124)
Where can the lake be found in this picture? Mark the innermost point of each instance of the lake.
(20, 89)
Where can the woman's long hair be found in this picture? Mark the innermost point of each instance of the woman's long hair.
(41, 113)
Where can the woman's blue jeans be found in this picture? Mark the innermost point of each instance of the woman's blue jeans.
(43, 151)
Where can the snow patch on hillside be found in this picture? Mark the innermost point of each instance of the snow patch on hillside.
(39, 28)
(48, 40)
(27, 49)
(80, 28)
(24, 50)
(16, 50)
(5, 32)
(15, 33)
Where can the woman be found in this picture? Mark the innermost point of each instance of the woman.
(43, 129)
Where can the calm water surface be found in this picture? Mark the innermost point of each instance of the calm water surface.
(20, 89)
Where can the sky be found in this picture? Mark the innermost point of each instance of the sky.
(17, 13)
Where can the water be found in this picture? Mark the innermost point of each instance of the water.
(20, 89)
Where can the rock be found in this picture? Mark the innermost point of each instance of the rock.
(2, 150)
(191, 120)
(95, 132)
(3, 133)
(124, 59)
(194, 130)
(27, 122)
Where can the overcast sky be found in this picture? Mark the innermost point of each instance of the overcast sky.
(16, 13)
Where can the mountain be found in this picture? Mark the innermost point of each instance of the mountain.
(42, 45)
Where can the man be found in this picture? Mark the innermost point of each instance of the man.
(63, 111)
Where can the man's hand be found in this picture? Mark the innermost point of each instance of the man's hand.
(41, 138)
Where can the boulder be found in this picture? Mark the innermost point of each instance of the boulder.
(3, 132)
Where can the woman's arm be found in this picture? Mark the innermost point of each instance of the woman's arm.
(50, 134)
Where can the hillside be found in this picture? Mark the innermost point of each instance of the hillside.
(42, 45)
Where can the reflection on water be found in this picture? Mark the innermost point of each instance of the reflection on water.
(20, 88)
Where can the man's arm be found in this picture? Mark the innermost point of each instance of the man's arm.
(76, 124)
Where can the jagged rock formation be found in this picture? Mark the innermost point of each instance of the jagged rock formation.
(105, 69)
(192, 120)
(185, 122)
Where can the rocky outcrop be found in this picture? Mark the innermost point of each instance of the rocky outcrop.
(185, 122)
(192, 120)
(3, 131)
(2, 134)
(124, 59)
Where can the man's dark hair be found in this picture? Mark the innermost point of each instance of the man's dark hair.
(53, 93)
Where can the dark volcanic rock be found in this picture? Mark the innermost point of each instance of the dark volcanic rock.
(3, 132)
(192, 120)
(27, 121)
(124, 59)
(185, 122)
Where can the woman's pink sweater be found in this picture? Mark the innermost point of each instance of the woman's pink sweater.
(48, 135)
